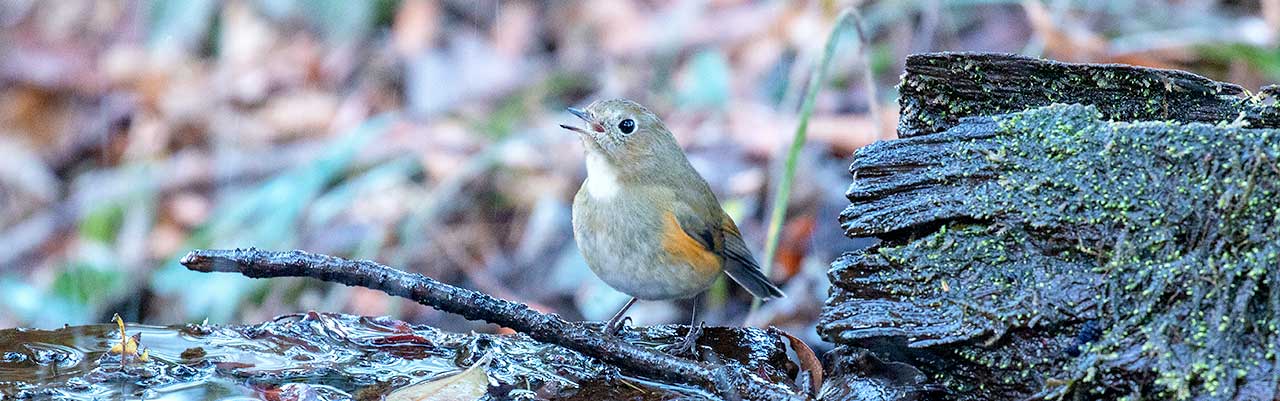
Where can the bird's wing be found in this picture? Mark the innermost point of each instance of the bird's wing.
(741, 266)
(722, 238)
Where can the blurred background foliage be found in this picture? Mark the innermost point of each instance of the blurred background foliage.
(423, 134)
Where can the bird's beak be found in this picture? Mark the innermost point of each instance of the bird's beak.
(581, 114)
(585, 117)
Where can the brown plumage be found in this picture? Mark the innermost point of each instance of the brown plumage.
(645, 221)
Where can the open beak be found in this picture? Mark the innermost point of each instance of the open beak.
(585, 117)
(581, 114)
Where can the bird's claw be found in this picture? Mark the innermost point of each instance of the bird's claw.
(613, 329)
(686, 346)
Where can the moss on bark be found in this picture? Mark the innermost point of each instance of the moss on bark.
(1055, 251)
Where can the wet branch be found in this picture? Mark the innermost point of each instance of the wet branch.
(727, 381)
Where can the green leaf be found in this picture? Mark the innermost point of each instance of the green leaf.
(85, 283)
(1265, 60)
(103, 223)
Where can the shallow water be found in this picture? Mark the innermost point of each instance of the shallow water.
(318, 356)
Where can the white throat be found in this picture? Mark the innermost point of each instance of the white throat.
(602, 179)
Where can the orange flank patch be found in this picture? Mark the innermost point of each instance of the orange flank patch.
(682, 247)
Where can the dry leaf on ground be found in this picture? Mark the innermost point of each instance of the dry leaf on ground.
(469, 385)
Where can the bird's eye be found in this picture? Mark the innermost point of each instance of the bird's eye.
(626, 126)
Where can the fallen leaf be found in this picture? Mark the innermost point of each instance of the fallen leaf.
(796, 237)
(809, 361)
(469, 385)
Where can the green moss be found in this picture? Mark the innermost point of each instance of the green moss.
(1183, 224)
(956, 86)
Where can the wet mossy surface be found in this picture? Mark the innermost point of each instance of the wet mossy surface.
(326, 356)
(1057, 252)
(941, 88)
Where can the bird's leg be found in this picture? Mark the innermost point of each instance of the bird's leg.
(690, 341)
(615, 325)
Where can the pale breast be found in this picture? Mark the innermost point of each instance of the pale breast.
(620, 238)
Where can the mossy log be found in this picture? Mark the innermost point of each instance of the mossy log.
(941, 88)
(1101, 249)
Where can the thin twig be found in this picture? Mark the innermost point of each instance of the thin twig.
(729, 382)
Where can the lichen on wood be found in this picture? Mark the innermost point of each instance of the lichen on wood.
(941, 88)
(1055, 251)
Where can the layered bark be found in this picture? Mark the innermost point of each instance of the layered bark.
(1123, 244)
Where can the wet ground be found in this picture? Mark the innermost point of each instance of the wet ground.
(318, 356)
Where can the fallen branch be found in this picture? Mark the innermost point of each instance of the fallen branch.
(727, 381)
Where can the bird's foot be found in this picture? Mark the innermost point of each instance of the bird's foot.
(614, 327)
(687, 346)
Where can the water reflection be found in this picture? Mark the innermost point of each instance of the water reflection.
(309, 356)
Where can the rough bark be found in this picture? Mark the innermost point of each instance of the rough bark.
(941, 88)
(1035, 250)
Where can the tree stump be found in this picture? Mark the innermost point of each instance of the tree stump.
(1078, 230)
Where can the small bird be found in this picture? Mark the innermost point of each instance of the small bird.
(646, 222)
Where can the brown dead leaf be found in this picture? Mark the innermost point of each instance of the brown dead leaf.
(809, 361)
(37, 115)
(469, 385)
(796, 236)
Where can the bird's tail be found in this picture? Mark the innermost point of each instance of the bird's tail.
(742, 267)
(749, 276)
